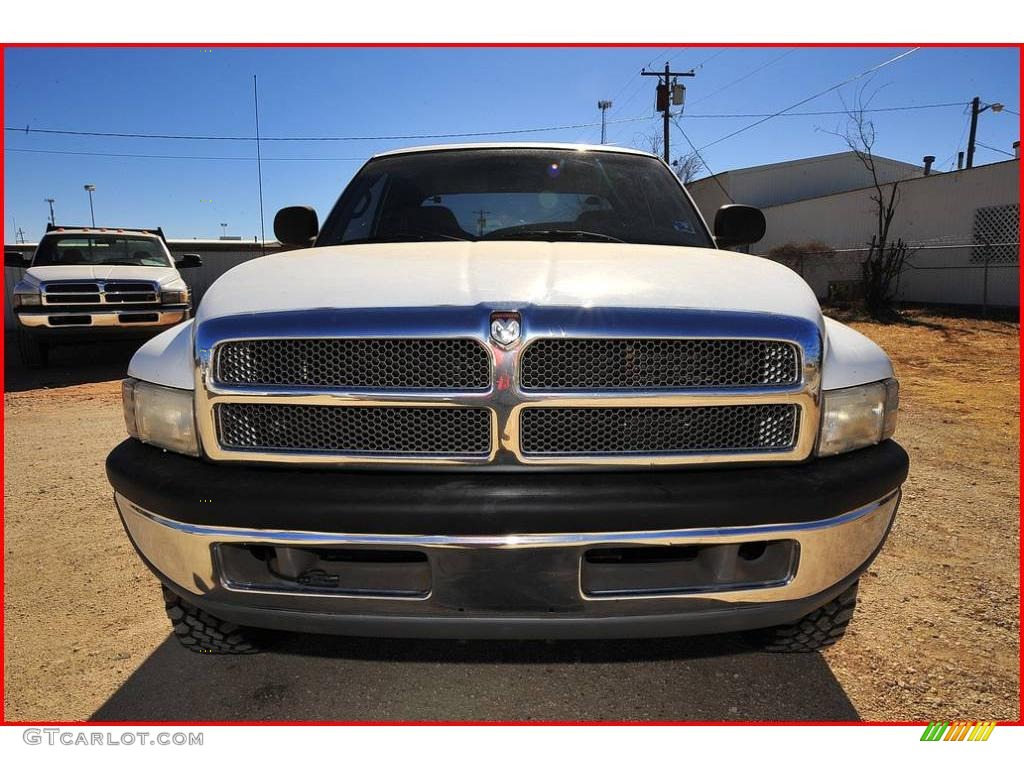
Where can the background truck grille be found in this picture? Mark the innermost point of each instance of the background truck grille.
(72, 293)
(696, 429)
(355, 430)
(446, 364)
(100, 292)
(606, 364)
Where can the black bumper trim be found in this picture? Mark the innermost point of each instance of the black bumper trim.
(705, 621)
(496, 503)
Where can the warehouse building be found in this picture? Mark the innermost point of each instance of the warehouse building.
(963, 226)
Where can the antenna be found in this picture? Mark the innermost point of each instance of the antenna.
(259, 164)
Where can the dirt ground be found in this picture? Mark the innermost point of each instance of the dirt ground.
(935, 636)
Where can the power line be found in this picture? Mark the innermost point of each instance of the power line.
(639, 118)
(820, 113)
(994, 149)
(27, 130)
(745, 77)
(703, 161)
(866, 72)
(183, 157)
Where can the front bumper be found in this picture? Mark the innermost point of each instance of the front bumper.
(487, 579)
(53, 324)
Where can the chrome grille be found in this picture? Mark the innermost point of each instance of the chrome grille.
(446, 364)
(655, 364)
(658, 430)
(99, 292)
(355, 430)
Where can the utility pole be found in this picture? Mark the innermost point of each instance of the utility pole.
(51, 201)
(481, 221)
(669, 93)
(604, 107)
(977, 109)
(90, 188)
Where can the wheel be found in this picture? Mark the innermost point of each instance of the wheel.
(33, 353)
(202, 633)
(818, 629)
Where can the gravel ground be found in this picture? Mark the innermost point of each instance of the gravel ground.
(935, 637)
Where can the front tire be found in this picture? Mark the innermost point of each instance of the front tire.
(33, 353)
(202, 633)
(818, 629)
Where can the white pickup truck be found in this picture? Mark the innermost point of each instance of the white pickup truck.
(89, 283)
(510, 391)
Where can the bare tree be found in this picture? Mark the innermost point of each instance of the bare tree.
(687, 167)
(886, 258)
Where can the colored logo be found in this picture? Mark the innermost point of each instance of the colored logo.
(958, 731)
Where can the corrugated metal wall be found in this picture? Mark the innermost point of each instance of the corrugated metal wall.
(218, 257)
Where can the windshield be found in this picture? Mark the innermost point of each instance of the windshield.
(515, 194)
(105, 250)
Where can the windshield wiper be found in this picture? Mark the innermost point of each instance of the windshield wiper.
(543, 234)
(399, 237)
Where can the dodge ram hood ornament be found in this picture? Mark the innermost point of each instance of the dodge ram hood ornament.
(505, 328)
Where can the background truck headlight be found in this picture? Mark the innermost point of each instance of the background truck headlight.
(174, 296)
(857, 417)
(161, 416)
(27, 298)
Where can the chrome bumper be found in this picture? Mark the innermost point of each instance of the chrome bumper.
(830, 551)
(105, 319)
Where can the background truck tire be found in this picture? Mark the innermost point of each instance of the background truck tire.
(33, 353)
(202, 633)
(818, 629)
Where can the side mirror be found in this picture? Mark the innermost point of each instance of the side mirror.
(738, 225)
(16, 259)
(296, 225)
(189, 261)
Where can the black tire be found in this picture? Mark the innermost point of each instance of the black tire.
(818, 629)
(202, 633)
(33, 353)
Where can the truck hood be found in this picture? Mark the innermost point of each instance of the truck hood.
(521, 273)
(162, 275)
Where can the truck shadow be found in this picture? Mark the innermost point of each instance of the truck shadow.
(70, 365)
(308, 677)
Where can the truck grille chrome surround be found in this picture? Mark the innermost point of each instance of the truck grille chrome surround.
(372, 431)
(699, 429)
(95, 293)
(747, 391)
(456, 364)
(609, 364)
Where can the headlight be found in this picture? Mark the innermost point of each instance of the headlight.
(25, 299)
(174, 297)
(161, 416)
(858, 416)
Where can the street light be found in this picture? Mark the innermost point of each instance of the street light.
(604, 106)
(223, 230)
(90, 188)
(51, 201)
(977, 109)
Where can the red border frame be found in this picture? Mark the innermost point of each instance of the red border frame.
(127, 723)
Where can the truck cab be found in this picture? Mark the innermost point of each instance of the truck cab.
(88, 283)
(510, 391)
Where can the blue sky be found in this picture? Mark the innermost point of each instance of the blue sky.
(375, 92)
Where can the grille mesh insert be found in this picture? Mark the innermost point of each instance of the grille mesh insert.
(696, 429)
(455, 364)
(604, 364)
(355, 430)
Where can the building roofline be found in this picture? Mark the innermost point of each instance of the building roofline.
(802, 161)
(943, 175)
